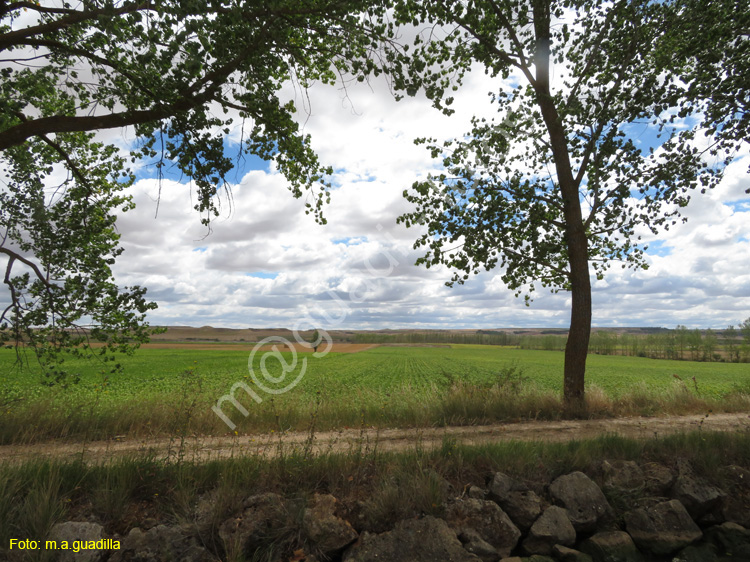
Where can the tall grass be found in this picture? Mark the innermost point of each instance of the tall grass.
(184, 416)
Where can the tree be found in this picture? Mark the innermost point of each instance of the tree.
(745, 329)
(730, 344)
(557, 185)
(179, 74)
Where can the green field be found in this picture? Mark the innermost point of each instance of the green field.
(167, 390)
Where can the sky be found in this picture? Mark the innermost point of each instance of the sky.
(267, 264)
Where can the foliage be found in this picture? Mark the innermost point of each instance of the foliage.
(558, 182)
(708, 45)
(180, 75)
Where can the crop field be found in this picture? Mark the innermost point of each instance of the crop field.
(171, 390)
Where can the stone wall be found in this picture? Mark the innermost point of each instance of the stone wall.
(622, 512)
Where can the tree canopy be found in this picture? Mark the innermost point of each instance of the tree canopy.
(558, 187)
(178, 75)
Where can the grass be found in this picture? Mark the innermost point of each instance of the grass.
(381, 487)
(169, 392)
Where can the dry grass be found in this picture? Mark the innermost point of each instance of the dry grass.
(186, 415)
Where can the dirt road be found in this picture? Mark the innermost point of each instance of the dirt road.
(207, 448)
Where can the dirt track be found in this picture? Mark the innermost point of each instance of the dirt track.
(207, 448)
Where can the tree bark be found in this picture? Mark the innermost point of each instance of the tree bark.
(576, 241)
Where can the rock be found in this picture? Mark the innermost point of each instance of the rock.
(553, 527)
(697, 553)
(413, 540)
(158, 544)
(662, 529)
(329, 533)
(565, 554)
(736, 506)
(72, 531)
(658, 479)
(522, 505)
(696, 494)
(611, 546)
(731, 540)
(475, 544)
(622, 476)
(487, 519)
(583, 500)
(538, 558)
(500, 485)
(261, 522)
(477, 493)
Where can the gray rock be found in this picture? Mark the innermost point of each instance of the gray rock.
(658, 479)
(71, 531)
(622, 476)
(731, 540)
(582, 498)
(662, 529)
(158, 544)
(553, 527)
(329, 533)
(474, 543)
(736, 506)
(477, 493)
(611, 546)
(263, 519)
(697, 553)
(487, 519)
(500, 486)
(522, 505)
(413, 540)
(697, 495)
(565, 554)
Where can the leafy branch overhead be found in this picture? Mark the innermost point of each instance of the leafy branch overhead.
(181, 75)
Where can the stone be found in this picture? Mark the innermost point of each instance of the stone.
(158, 544)
(611, 546)
(703, 552)
(697, 495)
(476, 493)
(522, 505)
(662, 529)
(622, 476)
(731, 540)
(474, 543)
(736, 506)
(329, 533)
(262, 520)
(583, 500)
(553, 527)
(487, 519)
(565, 554)
(658, 479)
(412, 540)
(72, 531)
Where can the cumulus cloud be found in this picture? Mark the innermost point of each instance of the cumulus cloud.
(266, 263)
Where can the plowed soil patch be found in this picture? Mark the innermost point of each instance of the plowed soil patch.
(247, 346)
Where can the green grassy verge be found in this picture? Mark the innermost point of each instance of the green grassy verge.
(170, 392)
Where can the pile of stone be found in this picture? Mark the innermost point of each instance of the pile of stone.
(660, 514)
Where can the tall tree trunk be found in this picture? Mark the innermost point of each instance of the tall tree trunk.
(576, 241)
